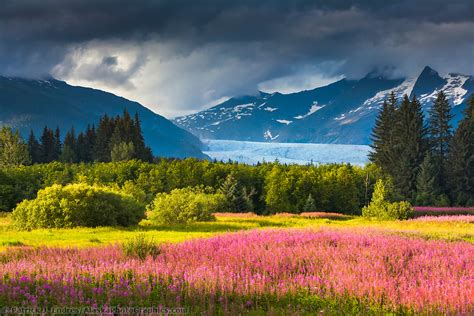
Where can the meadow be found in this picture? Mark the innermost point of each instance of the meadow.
(451, 228)
(247, 264)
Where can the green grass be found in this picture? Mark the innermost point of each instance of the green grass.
(96, 237)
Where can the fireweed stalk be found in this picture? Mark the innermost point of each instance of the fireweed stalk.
(252, 270)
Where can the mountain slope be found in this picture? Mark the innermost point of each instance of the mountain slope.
(342, 112)
(32, 104)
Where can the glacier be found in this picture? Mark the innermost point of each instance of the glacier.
(290, 153)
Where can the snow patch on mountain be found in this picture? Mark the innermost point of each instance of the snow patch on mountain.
(268, 135)
(406, 87)
(284, 122)
(291, 153)
(453, 90)
(314, 108)
(374, 103)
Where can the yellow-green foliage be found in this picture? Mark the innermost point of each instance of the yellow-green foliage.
(380, 208)
(79, 204)
(185, 206)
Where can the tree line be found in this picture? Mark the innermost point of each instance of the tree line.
(427, 161)
(115, 139)
(265, 188)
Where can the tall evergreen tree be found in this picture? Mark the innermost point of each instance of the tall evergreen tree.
(410, 147)
(34, 148)
(383, 135)
(142, 151)
(48, 146)
(105, 130)
(461, 159)
(427, 190)
(235, 194)
(439, 137)
(69, 150)
(310, 205)
(57, 144)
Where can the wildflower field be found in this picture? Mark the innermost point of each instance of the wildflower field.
(248, 265)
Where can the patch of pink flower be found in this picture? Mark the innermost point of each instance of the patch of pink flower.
(446, 218)
(384, 271)
(437, 210)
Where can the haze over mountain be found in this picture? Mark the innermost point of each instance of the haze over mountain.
(32, 104)
(342, 112)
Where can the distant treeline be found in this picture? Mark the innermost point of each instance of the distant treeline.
(428, 162)
(115, 139)
(264, 188)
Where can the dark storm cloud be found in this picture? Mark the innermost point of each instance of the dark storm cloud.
(277, 38)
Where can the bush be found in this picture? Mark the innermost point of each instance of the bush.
(380, 208)
(140, 247)
(80, 204)
(186, 205)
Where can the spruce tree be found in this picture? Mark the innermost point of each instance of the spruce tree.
(34, 148)
(235, 195)
(427, 190)
(48, 146)
(439, 137)
(57, 144)
(382, 135)
(142, 151)
(409, 147)
(69, 150)
(104, 132)
(461, 159)
(310, 205)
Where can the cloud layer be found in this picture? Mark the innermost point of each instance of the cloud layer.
(180, 56)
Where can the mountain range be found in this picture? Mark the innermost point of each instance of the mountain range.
(31, 104)
(343, 112)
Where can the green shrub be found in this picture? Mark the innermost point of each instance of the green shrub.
(380, 208)
(140, 247)
(186, 205)
(80, 204)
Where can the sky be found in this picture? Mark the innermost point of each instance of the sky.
(181, 56)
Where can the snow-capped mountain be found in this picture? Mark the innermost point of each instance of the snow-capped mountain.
(342, 112)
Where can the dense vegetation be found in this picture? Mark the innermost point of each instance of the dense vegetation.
(74, 205)
(428, 162)
(264, 188)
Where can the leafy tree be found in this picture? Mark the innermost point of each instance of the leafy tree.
(383, 135)
(122, 151)
(185, 205)
(461, 159)
(426, 183)
(381, 208)
(440, 136)
(13, 150)
(277, 191)
(410, 147)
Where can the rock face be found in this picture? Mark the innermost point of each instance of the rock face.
(31, 104)
(342, 112)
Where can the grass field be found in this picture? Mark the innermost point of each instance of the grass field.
(86, 237)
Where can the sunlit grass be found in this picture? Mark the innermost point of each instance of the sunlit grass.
(84, 237)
